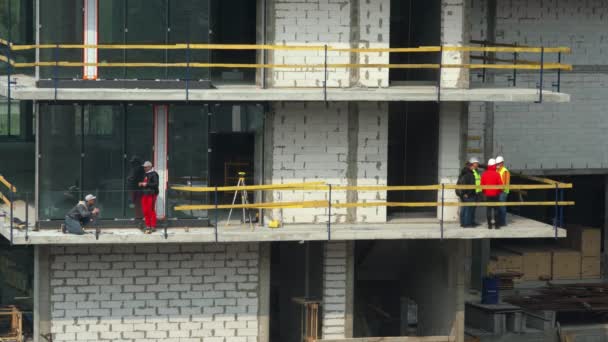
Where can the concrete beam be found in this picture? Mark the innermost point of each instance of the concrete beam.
(518, 228)
(25, 89)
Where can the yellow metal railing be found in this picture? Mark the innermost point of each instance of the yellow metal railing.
(527, 65)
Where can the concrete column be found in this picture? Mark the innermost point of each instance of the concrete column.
(452, 142)
(334, 291)
(264, 294)
(161, 122)
(90, 38)
(42, 294)
(454, 32)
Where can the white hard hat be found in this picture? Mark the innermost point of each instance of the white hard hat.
(500, 159)
(89, 197)
(474, 160)
(147, 164)
(492, 162)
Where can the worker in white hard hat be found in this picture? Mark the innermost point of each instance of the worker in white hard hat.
(505, 176)
(81, 215)
(468, 176)
(491, 177)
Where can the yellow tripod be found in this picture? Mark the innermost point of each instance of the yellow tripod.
(244, 200)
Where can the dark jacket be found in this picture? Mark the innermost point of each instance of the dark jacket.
(491, 177)
(81, 211)
(152, 181)
(136, 175)
(466, 178)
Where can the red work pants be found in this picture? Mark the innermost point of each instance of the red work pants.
(148, 207)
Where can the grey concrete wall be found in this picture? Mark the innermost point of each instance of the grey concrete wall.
(549, 136)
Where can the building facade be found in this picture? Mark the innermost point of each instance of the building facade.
(289, 92)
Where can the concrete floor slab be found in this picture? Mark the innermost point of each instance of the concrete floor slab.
(25, 89)
(414, 229)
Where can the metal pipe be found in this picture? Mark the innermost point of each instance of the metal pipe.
(11, 199)
(55, 69)
(166, 234)
(561, 209)
(263, 52)
(325, 75)
(8, 64)
(542, 70)
(559, 72)
(556, 209)
(216, 214)
(515, 55)
(188, 72)
(440, 72)
(442, 208)
(329, 215)
(27, 221)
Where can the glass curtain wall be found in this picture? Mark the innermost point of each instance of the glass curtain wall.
(17, 25)
(61, 22)
(86, 149)
(188, 159)
(154, 22)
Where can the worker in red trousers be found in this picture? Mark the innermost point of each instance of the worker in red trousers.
(149, 187)
(491, 177)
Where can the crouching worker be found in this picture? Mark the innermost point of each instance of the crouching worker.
(79, 216)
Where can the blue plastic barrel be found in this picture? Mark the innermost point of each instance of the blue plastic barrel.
(489, 291)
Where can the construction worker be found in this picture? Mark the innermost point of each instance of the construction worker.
(149, 186)
(468, 177)
(491, 177)
(505, 176)
(79, 216)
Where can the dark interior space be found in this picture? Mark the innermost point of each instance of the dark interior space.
(588, 193)
(296, 272)
(398, 293)
(231, 153)
(413, 152)
(16, 285)
(233, 22)
(414, 23)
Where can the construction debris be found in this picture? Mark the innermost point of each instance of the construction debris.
(566, 298)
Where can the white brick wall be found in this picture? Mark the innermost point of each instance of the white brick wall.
(313, 23)
(311, 143)
(334, 290)
(374, 27)
(328, 22)
(155, 293)
(551, 136)
(372, 158)
(454, 32)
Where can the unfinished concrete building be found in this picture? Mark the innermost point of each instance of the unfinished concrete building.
(329, 105)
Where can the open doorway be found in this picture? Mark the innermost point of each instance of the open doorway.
(231, 153)
(233, 22)
(412, 155)
(296, 278)
(414, 23)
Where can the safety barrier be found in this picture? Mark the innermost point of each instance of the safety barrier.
(541, 65)
(9, 200)
(558, 187)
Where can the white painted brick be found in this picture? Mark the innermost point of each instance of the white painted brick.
(116, 309)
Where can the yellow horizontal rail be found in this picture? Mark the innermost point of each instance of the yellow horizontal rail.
(290, 186)
(4, 199)
(10, 186)
(546, 66)
(325, 204)
(320, 186)
(183, 46)
(275, 205)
